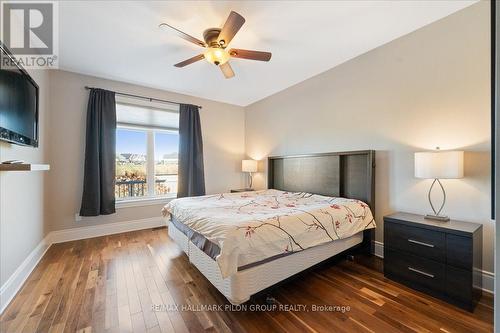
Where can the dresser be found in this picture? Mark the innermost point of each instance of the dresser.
(442, 259)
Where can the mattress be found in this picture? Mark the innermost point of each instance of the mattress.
(211, 249)
(239, 287)
(240, 230)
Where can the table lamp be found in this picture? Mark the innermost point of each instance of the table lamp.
(249, 166)
(438, 165)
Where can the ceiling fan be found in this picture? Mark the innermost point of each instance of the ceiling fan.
(216, 42)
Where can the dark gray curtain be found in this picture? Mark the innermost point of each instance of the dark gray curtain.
(191, 174)
(99, 178)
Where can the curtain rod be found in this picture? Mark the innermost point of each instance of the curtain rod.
(151, 99)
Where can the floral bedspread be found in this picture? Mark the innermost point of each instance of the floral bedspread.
(252, 226)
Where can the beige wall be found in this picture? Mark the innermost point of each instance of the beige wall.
(429, 88)
(223, 140)
(21, 194)
(425, 89)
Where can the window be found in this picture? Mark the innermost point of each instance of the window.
(147, 141)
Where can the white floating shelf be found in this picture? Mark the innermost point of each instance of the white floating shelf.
(24, 167)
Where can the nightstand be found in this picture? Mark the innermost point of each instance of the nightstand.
(237, 190)
(442, 259)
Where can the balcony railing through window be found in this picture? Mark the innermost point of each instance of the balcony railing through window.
(139, 188)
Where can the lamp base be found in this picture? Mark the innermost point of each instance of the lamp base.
(437, 218)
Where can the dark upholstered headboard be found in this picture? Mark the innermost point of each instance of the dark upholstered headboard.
(339, 174)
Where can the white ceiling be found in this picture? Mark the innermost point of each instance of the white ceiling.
(121, 40)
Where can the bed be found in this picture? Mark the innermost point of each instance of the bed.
(316, 207)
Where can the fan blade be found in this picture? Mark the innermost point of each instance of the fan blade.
(190, 60)
(230, 28)
(249, 54)
(184, 35)
(227, 70)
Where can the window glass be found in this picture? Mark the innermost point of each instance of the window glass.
(166, 162)
(131, 163)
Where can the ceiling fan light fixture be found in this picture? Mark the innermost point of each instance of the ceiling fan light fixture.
(216, 41)
(216, 55)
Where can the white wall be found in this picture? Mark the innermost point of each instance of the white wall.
(429, 88)
(223, 141)
(22, 222)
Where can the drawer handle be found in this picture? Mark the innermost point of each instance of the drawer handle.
(420, 243)
(420, 272)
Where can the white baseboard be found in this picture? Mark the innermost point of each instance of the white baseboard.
(21, 274)
(17, 279)
(488, 281)
(67, 235)
(487, 277)
(379, 249)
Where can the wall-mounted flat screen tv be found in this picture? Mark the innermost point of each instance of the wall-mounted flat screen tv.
(18, 102)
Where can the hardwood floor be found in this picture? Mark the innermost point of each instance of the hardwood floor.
(123, 283)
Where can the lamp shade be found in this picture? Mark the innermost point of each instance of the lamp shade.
(249, 166)
(439, 165)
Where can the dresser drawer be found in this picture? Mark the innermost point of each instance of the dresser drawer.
(421, 242)
(417, 272)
